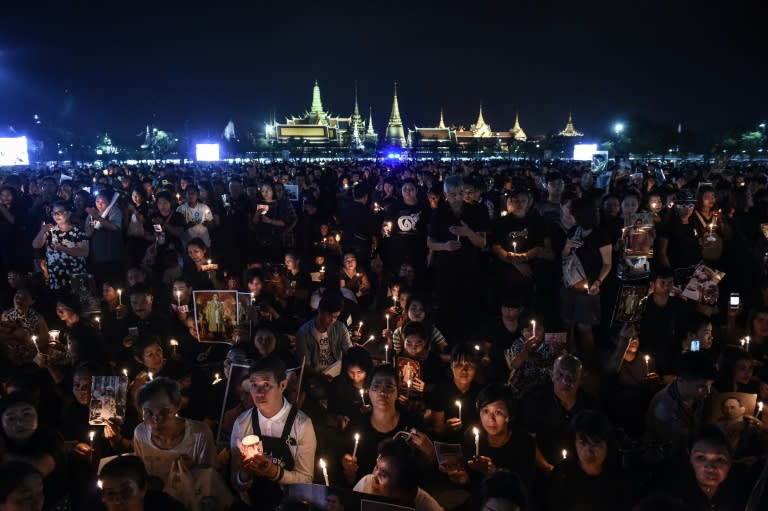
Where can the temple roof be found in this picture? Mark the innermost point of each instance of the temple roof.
(441, 124)
(517, 132)
(569, 130)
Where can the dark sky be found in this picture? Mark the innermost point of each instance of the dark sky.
(115, 69)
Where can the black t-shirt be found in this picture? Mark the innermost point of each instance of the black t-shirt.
(518, 455)
(476, 217)
(661, 329)
(683, 249)
(571, 489)
(408, 238)
(501, 340)
(445, 396)
(368, 449)
(589, 252)
(515, 234)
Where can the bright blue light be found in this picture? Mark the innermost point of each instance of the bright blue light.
(393, 156)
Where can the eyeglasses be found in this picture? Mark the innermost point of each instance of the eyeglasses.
(566, 378)
(383, 388)
(160, 414)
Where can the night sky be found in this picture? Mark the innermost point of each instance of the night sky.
(190, 71)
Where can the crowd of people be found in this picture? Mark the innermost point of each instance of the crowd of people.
(496, 335)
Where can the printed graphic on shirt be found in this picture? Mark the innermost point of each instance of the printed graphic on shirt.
(408, 223)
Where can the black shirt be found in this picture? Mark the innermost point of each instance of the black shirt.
(476, 217)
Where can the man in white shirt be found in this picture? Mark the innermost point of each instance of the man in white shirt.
(197, 216)
(323, 340)
(286, 434)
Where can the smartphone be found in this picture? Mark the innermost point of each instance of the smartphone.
(133, 331)
(695, 345)
(262, 208)
(735, 301)
(158, 227)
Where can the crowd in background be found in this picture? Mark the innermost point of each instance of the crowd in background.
(392, 312)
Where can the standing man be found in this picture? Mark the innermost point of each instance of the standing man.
(197, 216)
(286, 434)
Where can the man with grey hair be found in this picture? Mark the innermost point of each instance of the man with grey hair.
(455, 238)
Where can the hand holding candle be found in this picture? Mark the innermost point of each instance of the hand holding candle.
(357, 441)
(325, 471)
(647, 365)
(362, 396)
(386, 316)
(119, 296)
(91, 435)
(458, 404)
(34, 341)
(476, 432)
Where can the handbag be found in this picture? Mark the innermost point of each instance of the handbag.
(573, 271)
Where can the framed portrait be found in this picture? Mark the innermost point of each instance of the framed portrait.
(215, 315)
(630, 304)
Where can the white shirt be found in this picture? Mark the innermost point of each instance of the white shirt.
(423, 501)
(197, 215)
(197, 443)
(302, 450)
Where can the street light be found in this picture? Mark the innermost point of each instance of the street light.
(618, 128)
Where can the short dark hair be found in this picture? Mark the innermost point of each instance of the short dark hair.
(387, 370)
(408, 471)
(357, 356)
(143, 343)
(592, 425)
(466, 352)
(129, 466)
(160, 386)
(331, 301)
(503, 484)
(496, 392)
(661, 272)
(710, 434)
(416, 328)
(272, 365)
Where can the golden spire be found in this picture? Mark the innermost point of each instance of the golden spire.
(395, 132)
(569, 130)
(442, 123)
(517, 132)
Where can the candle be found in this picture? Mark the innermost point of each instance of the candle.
(178, 298)
(533, 327)
(119, 296)
(647, 365)
(216, 379)
(565, 454)
(458, 404)
(362, 396)
(34, 341)
(209, 262)
(174, 344)
(338, 238)
(514, 247)
(394, 301)
(53, 335)
(386, 316)
(253, 297)
(98, 322)
(149, 375)
(125, 373)
(477, 441)
(477, 347)
(91, 434)
(322, 269)
(99, 482)
(325, 471)
(759, 409)
(386, 353)
(357, 441)
(178, 197)
(359, 328)
(408, 384)
(747, 339)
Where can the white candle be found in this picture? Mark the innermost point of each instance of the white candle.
(458, 403)
(747, 338)
(90, 437)
(120, 296)
(149, 375)
(357, 441)
(34, 341)
(209, 262)
(394, 301)
(362, 396)
(359, 328)
(98, 322)
(647, 365)
(514, 247)
(178, 298)
(325, 471)
(565, 454)
(408, 384)
(759, 409)
(216, 379)
(125, 373)
(386, 353)
(386, 316)
(477, 441)
(477, 347)
(533, 327)
(174, 344)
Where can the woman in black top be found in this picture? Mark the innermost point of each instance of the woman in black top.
(346, 398)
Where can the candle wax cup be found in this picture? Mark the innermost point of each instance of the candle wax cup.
(252, 446)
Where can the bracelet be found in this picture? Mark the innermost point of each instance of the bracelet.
(279, 475)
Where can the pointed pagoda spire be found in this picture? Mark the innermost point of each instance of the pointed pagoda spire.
(395, 132)
(370, 134)
(517, 131)
(480, 120)
(356, 111)
(442, 123)
(569, 130)
(317, 104)
(357, 125)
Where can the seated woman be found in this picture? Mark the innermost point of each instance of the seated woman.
(591, 479)
(24, 439)
(453, 406)
(735, 371)
(346, 398)
(416, 310)
(23, 313)
(163, 437)
(21, 486)
(385, 420)
(431, 374)
(197, 259)
(355, 279)
(499, 444)
(397, 476)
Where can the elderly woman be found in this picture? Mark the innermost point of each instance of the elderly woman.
(66, 247)
(163, 436)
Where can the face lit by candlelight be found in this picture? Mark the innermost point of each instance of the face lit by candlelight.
(416, 311)
(463, 372)
(494, 418)
(711, 464)
(592, 453)
(356, 375)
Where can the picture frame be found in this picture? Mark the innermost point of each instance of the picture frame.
(216, 313)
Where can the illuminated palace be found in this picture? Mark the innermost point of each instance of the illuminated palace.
(317, 127)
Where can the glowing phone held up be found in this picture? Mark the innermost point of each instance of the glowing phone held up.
(735, 302)
(695, 345)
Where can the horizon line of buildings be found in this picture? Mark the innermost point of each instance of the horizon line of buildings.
(317, 127)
